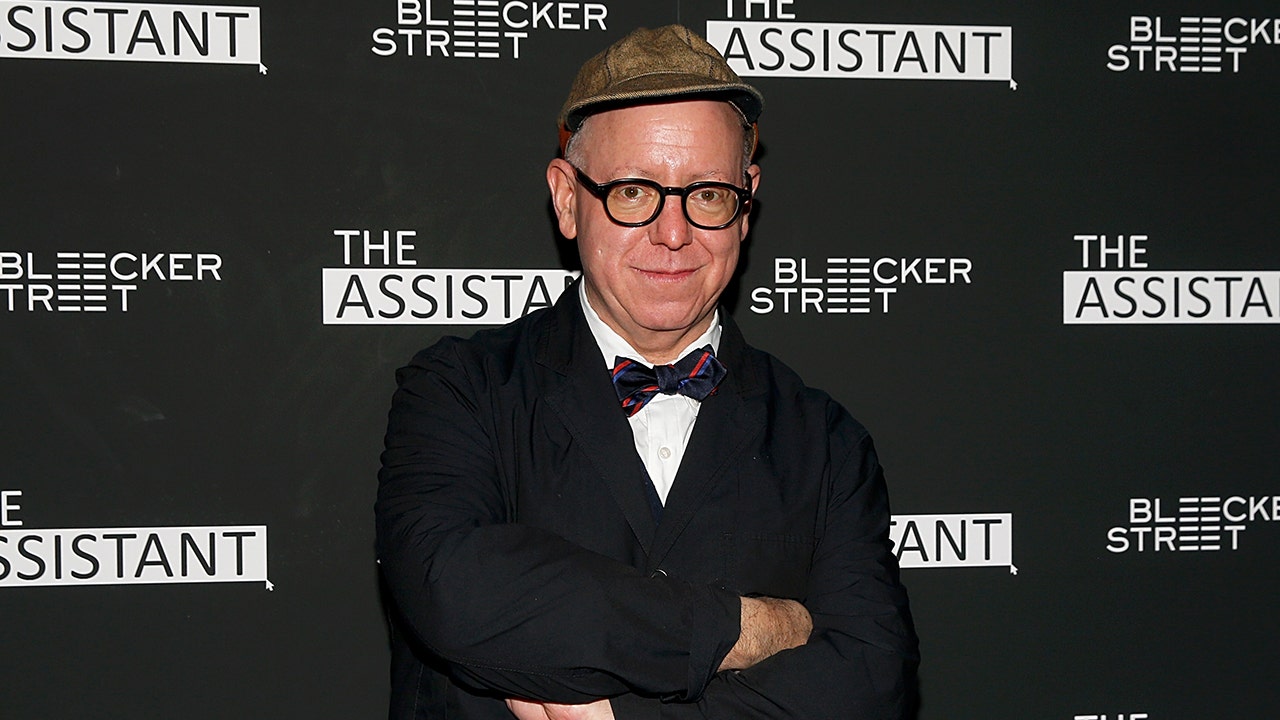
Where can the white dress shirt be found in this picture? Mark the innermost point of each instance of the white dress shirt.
(663, 426)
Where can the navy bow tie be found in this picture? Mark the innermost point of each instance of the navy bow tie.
(696, 375)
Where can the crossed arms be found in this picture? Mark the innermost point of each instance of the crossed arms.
(520, 611)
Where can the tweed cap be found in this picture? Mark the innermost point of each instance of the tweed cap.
(671, 62)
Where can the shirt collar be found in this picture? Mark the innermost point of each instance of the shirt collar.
(612, 345)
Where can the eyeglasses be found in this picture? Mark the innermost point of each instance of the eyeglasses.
(634, 202)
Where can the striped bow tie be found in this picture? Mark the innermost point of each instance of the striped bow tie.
(696, 375)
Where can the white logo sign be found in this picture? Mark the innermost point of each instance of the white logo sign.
(1195, 524)
(221, 34)
(984, 539)
(777, 45)
(134, 556)
(94, 281)
(488, 29)
(1116, 288)
(1191, 44)
(129, 555)
(854, 286)
(407, 294)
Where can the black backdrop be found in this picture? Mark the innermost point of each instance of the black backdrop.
(1007, 390)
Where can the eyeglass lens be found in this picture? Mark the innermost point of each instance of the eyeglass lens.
(705, 204)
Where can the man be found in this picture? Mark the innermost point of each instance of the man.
(562, 540)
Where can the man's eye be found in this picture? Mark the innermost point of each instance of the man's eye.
(631, 193)
(711, 196)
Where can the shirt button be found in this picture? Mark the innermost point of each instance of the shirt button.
(664, 453)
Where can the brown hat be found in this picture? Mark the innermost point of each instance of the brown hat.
(671, 62)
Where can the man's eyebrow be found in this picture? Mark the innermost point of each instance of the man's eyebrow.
(631, 171)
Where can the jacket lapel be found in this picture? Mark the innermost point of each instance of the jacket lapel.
(726, 422)
(579, 391)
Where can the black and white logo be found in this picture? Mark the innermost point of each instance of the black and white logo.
(851, 285)
(765, 39)
(146, 32)
(95, 282)
(1191, 43)
(1191, 524)
(1115, 286)
(937, 541)
(485, 29)
(127, 555)
(381, 283)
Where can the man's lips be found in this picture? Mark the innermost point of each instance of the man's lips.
(667, 273)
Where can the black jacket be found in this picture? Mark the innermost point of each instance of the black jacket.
(522, 557)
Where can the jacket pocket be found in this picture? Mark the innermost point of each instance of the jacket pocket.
(770, 564)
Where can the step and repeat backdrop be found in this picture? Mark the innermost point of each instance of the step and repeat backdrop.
(1032, 247)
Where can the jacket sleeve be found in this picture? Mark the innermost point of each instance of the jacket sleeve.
(861, 659)
(509, 608)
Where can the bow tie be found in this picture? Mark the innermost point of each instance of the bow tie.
(696, 375)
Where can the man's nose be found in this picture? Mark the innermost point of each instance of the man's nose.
(672, 227)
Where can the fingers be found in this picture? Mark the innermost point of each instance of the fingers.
(525, 710)
(598, 710)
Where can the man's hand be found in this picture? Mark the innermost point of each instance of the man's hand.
(769, 626)
(527, 710)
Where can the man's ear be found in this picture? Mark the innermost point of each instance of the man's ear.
(753, 180)
(561, 179)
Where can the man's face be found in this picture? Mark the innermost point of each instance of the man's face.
(656, 285)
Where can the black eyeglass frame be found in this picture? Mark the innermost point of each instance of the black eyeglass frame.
(601, 191)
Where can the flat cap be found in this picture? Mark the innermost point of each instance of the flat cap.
(668, 63)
